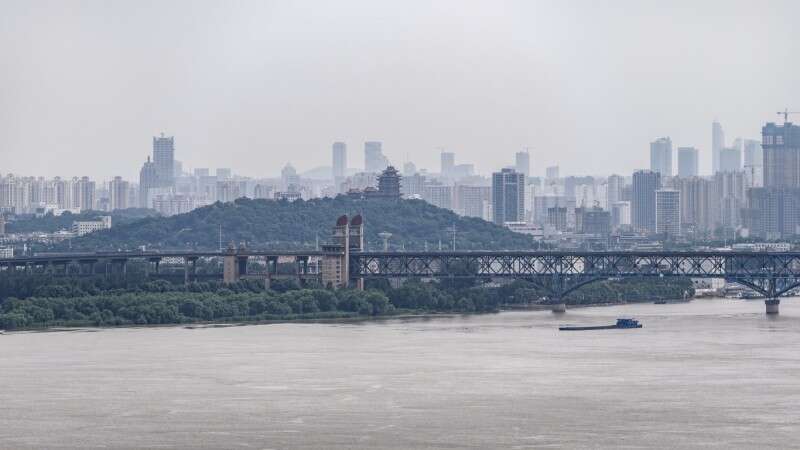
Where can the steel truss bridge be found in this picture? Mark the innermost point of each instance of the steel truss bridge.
(772, 274)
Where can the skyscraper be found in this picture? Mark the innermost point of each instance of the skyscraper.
(688, 162)
(148, 179)
(118, 194)
(614, 189)
(661, 156)
(164, 160)
(753, 160)
(781, 146)
(448, 162)
(374, 161)
(717, 144)
(774, 210)
(339, 160)
(508, 196)
(643, 200)
(730, 160)
(552, 173)
(668, 212)
(522, 163)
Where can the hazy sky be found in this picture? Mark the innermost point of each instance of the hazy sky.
(84, 85)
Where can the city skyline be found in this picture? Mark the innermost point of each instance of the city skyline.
(507, 77)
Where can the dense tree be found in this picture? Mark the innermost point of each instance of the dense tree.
(294, 225)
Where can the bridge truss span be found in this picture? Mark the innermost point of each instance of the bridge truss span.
(771, 274)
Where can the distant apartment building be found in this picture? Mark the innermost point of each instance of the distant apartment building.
(447, 163)
(164, 160)
(119, 194)
(522, 163)
(688, 162)
(668, 212)
(717, 144)
(374, 160)
(730, 159)
(84, 227)
(661, 156)
(173, 204)
(620, 214)
(508, 196)
(643, 201)
(473, 201)
(339, 153)
(438, 195)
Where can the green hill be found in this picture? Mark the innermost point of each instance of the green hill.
(269, 224)
(50, 223)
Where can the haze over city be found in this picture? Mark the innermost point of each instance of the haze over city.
(399, 225)
(254, 85)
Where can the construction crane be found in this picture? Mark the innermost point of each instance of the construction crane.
(785, 113)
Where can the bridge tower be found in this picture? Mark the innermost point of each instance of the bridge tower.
(234, 263)
(336, 261)
(356, 244)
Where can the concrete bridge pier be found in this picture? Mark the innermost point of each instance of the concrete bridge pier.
(772, 305)
(559, 308)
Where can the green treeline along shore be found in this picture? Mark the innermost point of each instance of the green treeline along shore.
(42, 302)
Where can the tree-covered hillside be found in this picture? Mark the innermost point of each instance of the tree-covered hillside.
(50, 223)
(293, 225)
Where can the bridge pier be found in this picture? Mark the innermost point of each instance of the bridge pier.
(558, 308)
(772, 305)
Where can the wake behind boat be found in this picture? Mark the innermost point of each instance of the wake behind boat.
(621, 323)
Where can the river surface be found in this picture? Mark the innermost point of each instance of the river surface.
(710, 373)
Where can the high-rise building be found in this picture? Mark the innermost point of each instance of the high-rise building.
(448, 162)
(781, 146)
(729, 198)
(224, 173)
(697, 216)
(552, 173)
(774, 210)
(754, 162)
(508, 196)
(522, 163)
(413, 185)
(557, 218)
(438, 195)
(730, 159)
(118, 193)
(717, 144)
(148, 180)
(688, 162)
(753, 154)
(164, 160)
(643, 200)
(409, 169)
(83, 193)
(289, 176)
(201, 172)
(339, 150)
(661, 156)
(614, 187)
(374, 161)
(620, 214)
(668, 212)
(473, 201)
(593, 220)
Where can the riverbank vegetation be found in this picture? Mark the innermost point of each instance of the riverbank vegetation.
(40, 302)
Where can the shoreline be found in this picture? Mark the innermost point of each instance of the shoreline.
(325, 321)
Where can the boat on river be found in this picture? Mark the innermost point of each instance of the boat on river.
(621, 324)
